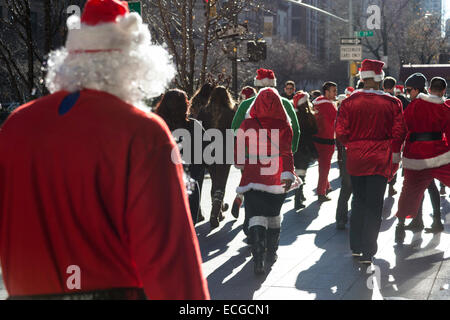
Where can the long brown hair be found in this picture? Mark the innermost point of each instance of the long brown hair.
(219, 102)
(201, 98)
(174, 109)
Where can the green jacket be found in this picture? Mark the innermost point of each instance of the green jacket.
(245, 105)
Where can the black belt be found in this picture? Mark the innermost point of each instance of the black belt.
(324, 141)
(425, 136)
(109, 294)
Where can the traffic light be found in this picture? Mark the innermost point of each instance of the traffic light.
(353, 68)
(256, 50)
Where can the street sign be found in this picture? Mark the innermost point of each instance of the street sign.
(351, 53)
(351, 41)
(135, 6)
(361, 34)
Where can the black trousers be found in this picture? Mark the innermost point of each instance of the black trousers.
(345, 193)
(367, 208)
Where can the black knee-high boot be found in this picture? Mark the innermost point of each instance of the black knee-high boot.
(216, 210)
(273, 240)
(258, 235)
(299, 196)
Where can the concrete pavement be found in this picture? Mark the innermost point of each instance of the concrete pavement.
(315, 261)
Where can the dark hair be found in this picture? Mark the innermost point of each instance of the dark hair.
(438, 84)
(327, 85)
(315, 94)
(360, 85)
(200, 98)
(219, 100)
(389, 83)
(174, 108)
(290, 82)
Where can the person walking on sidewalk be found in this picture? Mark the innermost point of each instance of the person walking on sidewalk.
(324, 140)
(94, 189)
(416, 85)
(426, 155)
(367, 124)
(266, 78)
(265, 134)
(174, 109)
(306, 152)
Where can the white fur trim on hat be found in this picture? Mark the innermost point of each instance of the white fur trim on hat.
(106, 36)
(421, 164)
(266, 82)
(303, 100)
(372, 74)
(431, 98)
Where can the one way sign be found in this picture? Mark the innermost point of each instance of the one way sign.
(350, 41)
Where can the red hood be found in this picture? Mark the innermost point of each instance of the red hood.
(268, 105)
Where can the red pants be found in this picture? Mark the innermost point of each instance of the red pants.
(414, 185)
(325, 152)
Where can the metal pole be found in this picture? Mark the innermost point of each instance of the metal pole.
(350, 34)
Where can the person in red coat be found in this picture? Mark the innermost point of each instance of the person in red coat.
(367, 124)
(93, 202)
(263, 151)
(324, 140)
(426, 154)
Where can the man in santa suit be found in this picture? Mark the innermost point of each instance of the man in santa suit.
(426, 154)
(367, 124)
(325, 139)
(95, 206)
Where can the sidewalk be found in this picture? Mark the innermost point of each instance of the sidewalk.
(315, 261)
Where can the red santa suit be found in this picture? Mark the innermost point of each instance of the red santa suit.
(270, 147)
(370, 152)
(93, 199)
(426, 154)
(324, 141)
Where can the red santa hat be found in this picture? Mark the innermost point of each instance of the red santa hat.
(247, 93)
(399, 89)
(265, 78)
(349, 90)
(372, 69)
(300, 98)
(106, 25)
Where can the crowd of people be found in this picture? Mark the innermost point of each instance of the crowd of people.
(100, 184)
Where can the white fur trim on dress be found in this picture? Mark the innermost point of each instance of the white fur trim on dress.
(266, 82)
(276, 189)
(396, 157)
(421, 164)
(431, 98)
(287, 175)
(106, 36)
(371, 74)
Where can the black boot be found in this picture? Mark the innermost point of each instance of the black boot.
(298, 202)
(437, 225)
(400, 233)
(273, 240)
(302, 196)
(416, 225)
(258, 235)
(216, 210)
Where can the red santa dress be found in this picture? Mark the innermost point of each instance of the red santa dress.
(426, 154)
(324, 141)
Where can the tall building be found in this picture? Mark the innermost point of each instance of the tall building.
(432, 6)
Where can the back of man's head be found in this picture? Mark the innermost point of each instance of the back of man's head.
(438, 85)
(389, 83)
(327, 85)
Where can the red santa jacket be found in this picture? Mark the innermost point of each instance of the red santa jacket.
(266, 157)
(326, 116)
(427, 114)
(94, 186)
(370, 124)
